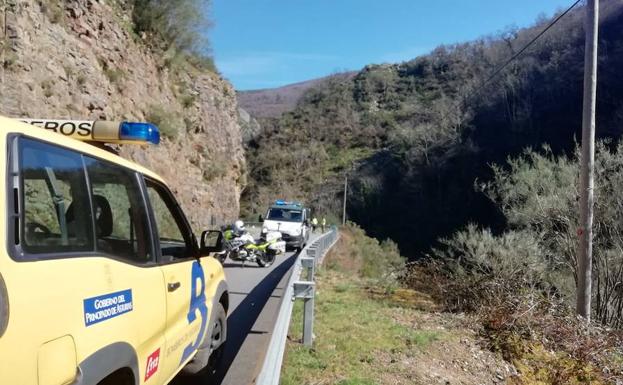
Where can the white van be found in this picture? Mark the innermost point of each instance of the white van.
(291, 219)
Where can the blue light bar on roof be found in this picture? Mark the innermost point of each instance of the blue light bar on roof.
(100, 130)
(142, 132)
(281, 202)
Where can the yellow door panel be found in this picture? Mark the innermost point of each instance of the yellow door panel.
(187, 312)
(95, 300)
(189, 308)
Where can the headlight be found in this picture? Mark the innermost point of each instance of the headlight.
(264, 230)
(296, 231)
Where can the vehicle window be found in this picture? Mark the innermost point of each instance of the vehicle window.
(120, 214)
(276, 214)
(173, 233)
(53, 182)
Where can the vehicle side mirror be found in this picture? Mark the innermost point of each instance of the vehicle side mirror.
(211, 242)
(260, 218)
(306, 222)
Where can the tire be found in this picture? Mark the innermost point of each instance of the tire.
(218, 330)
(120, 377)
(208, 359)
(266, 259)
(302, 245)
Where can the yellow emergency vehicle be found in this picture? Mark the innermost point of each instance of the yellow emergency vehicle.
(101, 279)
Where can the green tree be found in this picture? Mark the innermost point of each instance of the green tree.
(176, 27)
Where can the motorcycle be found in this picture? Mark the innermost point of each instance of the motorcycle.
(245, 248)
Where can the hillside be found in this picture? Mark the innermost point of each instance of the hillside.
(272, 102)
(84, 60)
(395, 335)
(416, 138)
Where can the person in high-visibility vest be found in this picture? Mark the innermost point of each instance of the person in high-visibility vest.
(314, 224)
(324, 224)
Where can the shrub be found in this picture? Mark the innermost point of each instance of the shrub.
(213, 170)
(169, 123)
(187, 99)
(365, 256)
(538, 251)
(114, 75)
(520, 283)
(539, 334)
(549, 345)
(54, 9)
(482, 269)
(175, 27)
(536, 195)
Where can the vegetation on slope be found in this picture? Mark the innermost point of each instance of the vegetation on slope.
(370, 331)
(353, 331)
(521, 283)
(416, 137)
(478, 182)
(177, 28)
(533, 330)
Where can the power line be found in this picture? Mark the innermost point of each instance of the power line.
(522, 50)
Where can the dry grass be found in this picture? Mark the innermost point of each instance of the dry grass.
(371, 330)
(366, 336)
(537, 334)
(343, 256)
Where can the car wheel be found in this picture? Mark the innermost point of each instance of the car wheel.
(217, 340)
(210, 354)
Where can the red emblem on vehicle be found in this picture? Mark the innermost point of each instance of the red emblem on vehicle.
(152, 364)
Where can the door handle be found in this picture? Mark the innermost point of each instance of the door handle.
(172, 286)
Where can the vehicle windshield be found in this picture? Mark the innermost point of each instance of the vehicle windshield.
(277, 214)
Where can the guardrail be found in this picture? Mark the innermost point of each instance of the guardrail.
(305, 289)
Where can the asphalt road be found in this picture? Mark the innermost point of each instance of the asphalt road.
(255, 295)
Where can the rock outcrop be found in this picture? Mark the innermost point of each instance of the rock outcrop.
(249, 125)
(80, 59)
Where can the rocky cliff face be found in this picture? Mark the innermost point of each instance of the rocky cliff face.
(79, 59)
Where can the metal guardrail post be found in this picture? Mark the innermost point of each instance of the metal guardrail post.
(308, 263)
(306, 290)
(308, 319)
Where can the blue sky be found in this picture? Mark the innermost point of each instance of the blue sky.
(270, 43)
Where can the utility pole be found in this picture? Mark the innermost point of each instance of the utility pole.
(585, 248)
(344, 207)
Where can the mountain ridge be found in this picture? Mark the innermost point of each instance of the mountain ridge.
(272, 102)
